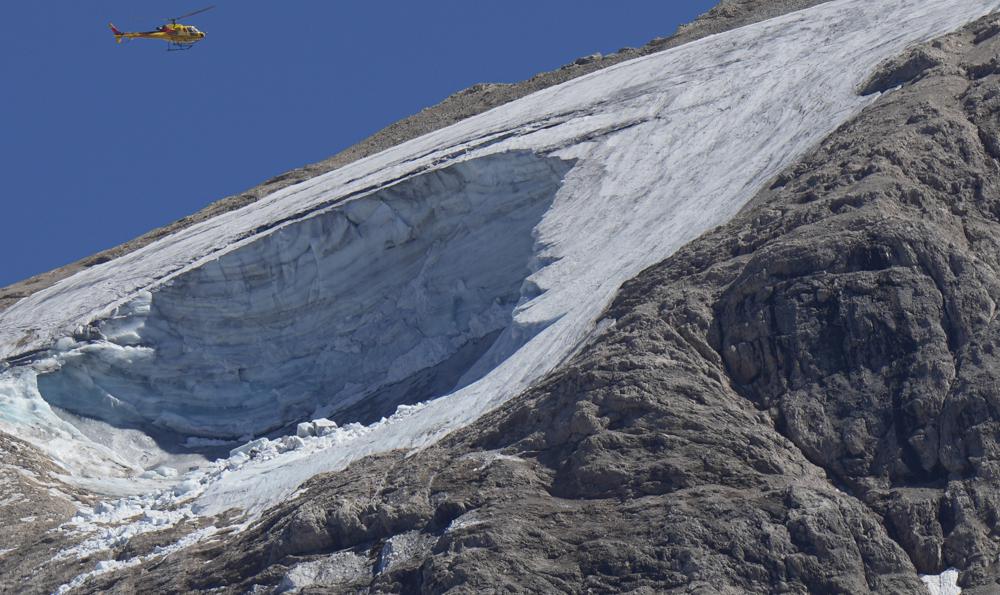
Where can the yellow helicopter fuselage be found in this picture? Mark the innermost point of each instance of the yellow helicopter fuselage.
(174, 33)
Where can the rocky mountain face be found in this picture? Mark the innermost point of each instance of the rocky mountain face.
(804, 400)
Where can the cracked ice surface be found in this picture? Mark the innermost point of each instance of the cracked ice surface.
(662, 148)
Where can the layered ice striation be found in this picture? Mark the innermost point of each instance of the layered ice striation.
(389, 298)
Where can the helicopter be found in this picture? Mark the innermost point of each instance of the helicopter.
(177, 35)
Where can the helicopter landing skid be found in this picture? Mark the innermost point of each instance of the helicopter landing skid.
(179, 47)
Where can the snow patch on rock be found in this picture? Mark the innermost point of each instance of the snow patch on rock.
(331, 571)
(106, 566)
(401, 548)
(945, 583)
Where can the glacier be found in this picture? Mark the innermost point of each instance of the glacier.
(408, 293)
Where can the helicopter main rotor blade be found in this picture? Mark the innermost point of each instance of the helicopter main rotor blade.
(191, 14)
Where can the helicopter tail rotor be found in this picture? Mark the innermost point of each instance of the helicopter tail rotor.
(119, 35)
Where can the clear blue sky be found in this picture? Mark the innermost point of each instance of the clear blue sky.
(100, 143)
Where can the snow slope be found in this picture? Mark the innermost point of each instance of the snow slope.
(462, 265)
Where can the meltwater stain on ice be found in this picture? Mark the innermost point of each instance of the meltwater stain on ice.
(387, 299)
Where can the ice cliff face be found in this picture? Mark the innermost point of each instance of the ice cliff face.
(388, 299)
